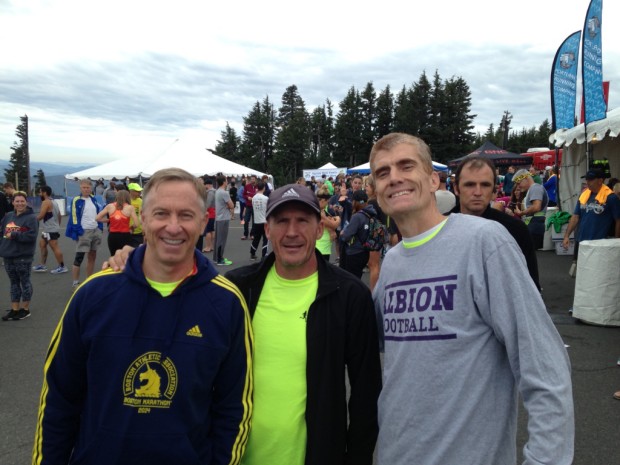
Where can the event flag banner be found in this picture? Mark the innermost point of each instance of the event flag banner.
(564, 83)
(592, 64)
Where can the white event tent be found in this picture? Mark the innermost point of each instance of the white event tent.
(190, 156)
(603, 138)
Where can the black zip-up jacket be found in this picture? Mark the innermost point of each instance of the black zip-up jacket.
(341, 331)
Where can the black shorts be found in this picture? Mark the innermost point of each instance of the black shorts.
(210, 226)
(53, 236)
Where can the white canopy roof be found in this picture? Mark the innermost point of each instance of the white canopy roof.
(328, 166)
(609, 126)
(190, 156)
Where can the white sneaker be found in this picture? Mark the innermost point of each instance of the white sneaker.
(39, 268)
(60, 269)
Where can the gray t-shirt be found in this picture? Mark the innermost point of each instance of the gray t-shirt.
(222, 197)
(459, 345)
(259, 204)
(537, 192)
(211, 198)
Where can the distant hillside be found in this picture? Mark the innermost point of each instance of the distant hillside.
(54, 175)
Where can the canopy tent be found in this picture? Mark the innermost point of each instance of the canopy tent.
(605, 144)
(319, 172)
(328, 166)
(500, 157)
(365, 168)
(190, 156)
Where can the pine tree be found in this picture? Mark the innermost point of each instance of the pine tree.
(40, 181)
(321, 136)
(368, 115)
(18, 170)
(349, 144)
(385, 112)
(259, 129)
(293, 140)
(228, 147)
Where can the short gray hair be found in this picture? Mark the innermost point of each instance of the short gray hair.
(171, 175)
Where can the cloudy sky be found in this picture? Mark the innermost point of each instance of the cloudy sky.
(106, 80)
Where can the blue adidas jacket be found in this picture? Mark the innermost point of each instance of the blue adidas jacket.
(134, 378)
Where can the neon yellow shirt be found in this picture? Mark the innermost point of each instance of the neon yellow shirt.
(278, 435)
(137, 206)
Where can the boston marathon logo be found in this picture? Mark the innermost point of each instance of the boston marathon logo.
(150, 382)
(412, 309)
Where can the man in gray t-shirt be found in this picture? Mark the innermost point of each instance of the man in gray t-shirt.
(223, 213)
(535, 206)
(461, 347)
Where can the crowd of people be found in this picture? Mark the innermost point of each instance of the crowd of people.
(273, 343)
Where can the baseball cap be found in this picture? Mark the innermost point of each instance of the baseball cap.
(292, 193)
(134, 186)
(360, 196)
(594, 174)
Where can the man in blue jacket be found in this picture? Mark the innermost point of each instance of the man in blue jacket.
(83, 228)
(151, 365)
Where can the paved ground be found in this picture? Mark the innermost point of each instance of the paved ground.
(593, 351)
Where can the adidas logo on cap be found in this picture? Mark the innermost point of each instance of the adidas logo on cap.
(290, 193)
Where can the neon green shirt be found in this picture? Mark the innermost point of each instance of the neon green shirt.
(137, 205)
(278, 435)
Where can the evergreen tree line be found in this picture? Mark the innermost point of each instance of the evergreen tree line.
(285, 141)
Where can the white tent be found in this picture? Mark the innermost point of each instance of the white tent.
(328, 166)
(605, 143)
(365, 168)
(190, 156)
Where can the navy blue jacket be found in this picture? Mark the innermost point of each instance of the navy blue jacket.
(132, 377)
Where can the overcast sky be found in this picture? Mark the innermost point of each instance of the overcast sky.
(107, 80)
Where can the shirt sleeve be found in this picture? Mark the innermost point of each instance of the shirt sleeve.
(536, 353)
(64, 389)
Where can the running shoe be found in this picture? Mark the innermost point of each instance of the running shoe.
(224, 262)
(59, 270)
(21, 314)
(39, 268)
(9, 314)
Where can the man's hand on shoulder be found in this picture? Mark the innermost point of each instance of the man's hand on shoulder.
(118, 260)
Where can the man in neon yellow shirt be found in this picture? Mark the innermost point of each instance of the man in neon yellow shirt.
(311, 321)
(135, 191)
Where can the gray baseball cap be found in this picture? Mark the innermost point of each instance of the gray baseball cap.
(293, 193)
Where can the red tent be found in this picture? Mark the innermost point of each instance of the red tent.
(544, 158)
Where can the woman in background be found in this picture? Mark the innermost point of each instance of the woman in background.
(17, 245)
(118, 215)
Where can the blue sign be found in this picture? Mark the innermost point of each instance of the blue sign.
(564, 83)
(592, 67)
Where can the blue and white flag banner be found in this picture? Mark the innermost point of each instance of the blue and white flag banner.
(592, 65)
(564, 83)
